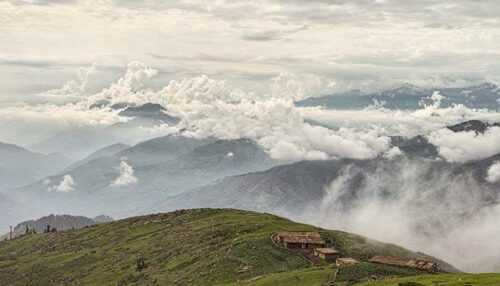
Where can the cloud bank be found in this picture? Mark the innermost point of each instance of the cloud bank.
(411, 204)
(212, 108)
(356, 44)
(209, 107)
(73, 88)
(466, 146)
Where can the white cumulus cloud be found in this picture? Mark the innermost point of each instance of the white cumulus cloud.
(65, 186)
(393, 153)
(74, 87)
(297, 87)
(126, 175)
(466, 146)
(494, 173)
(210, 107)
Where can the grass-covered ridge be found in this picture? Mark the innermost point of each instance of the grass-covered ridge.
(442, 280)
(194, 247)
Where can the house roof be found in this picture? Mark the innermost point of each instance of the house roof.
(389, 260)
(328, 250)
(347, 260)
(301, 237)
(414, 263)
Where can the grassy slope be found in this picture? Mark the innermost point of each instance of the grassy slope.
(314, 276)
(196, 247)
(320, 275)
(442, 280)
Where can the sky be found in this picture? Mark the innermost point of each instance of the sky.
(233, 68)
(357, 44)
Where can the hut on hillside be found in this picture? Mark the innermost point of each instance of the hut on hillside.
(346, 261)
(410, 263)
(328, 254)
(300, 240)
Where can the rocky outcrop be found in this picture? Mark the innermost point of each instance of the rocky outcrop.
(473, 125)
(59, 222)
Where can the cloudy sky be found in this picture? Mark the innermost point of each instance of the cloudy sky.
(348, 44)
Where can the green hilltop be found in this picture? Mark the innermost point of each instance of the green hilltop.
(194, 247)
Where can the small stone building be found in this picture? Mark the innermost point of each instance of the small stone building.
(328, 254)
(410, 263)
(300, 240)
(346, 261)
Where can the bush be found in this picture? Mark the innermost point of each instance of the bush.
(140, 264)
(410, 284)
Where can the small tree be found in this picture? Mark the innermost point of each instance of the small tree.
(140, 264)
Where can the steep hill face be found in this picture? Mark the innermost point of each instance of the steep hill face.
(300, 187)
(277, 190)
(195, 247)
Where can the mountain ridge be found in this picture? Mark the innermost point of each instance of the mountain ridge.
(58, 222)
(408, 96)
(20, 166)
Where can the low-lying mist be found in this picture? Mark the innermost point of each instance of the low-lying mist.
(418, 204)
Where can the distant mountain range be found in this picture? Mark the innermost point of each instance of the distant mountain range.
(411, 97)
(149, 111)
(59, 222)
(80, 143)
(296, 189)
(177, 171)
(161, 167)
(19, 166)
